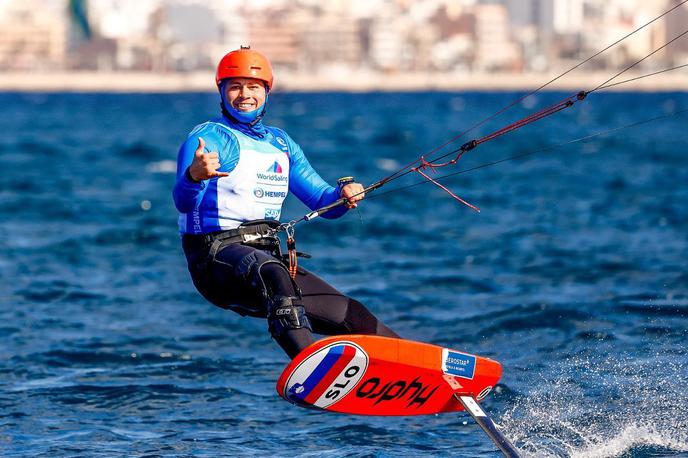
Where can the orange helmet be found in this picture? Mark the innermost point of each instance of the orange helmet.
(244, 63)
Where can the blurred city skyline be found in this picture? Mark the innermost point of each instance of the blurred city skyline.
(337, 37)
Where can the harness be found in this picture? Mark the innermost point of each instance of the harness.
(260, 234)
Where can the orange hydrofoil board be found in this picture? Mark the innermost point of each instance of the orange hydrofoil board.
(373, 375)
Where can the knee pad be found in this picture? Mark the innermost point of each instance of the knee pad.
(250, 266)
(285, 314)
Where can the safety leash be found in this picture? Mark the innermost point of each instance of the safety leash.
(291, 248)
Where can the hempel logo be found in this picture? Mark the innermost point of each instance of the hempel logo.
(260, 193)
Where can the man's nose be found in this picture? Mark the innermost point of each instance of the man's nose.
(244, 92)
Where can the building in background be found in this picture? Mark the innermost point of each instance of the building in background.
(314, 36)
(454, 46)
(389, 50)
(33, 35)
(328, 40)
(676, 24)
(121, 37)
(495, 49)
(275, 32)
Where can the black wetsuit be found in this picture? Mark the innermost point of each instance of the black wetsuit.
(224, 282)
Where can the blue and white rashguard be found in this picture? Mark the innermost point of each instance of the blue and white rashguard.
(262, 169)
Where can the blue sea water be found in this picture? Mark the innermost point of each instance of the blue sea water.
(574, 276)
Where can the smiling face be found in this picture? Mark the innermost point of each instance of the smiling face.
(245, 94)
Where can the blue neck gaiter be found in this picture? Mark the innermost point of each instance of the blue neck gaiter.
(248, 122)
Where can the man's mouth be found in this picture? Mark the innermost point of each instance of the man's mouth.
(245, 106)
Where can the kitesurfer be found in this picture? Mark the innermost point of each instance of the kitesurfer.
(232, 175)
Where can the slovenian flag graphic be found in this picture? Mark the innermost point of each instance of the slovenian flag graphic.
(334, 362)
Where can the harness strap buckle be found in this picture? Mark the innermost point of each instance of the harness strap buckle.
(251, 237)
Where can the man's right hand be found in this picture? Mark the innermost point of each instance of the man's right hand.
(205, 165)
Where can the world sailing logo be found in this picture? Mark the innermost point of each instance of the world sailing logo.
(275, 168)
(273, 173)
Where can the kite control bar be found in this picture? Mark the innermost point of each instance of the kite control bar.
(320, 211)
